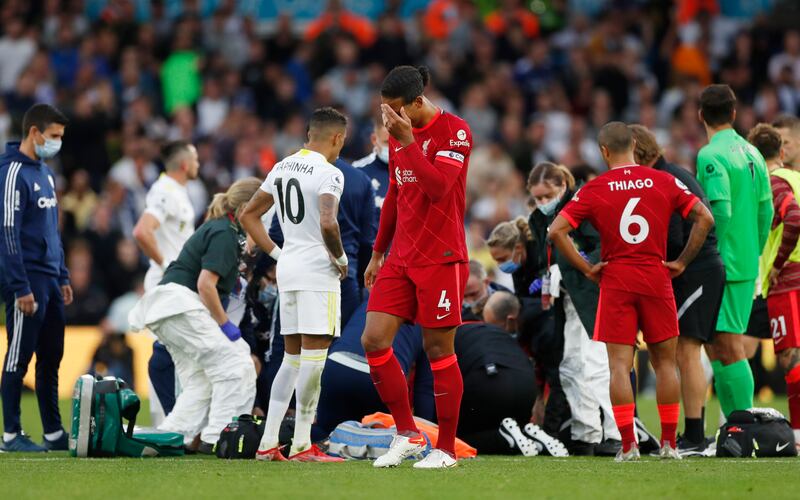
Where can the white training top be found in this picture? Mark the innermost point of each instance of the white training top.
(168, 201)
(296, 184)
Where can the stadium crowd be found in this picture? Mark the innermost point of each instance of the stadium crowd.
(533, 91)
(533, 88)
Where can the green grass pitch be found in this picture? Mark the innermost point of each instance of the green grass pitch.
(57, 476)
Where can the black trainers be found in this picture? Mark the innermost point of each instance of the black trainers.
(205, 448)
(687, 448)
(59, 444)
(608, 448)
(581, 449)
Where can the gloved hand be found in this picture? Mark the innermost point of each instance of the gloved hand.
(535, 286)
(231, 331)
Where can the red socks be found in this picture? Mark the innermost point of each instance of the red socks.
(390, 382)
(793, 391)
(669, 414)
(623, 415)
(448, 388)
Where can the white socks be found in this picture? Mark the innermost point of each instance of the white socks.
(279, 399)
(52, 436)
(8, 436)
(312, 362)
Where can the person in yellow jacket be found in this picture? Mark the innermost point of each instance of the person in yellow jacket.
(780, 265)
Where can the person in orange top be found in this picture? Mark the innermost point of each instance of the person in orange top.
(336, 16)
(512, 12)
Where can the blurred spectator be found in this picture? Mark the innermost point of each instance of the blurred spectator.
(16, 50)
(89, 302)
(180, 74)
(80, 201)
(337, 18)
(510, 14)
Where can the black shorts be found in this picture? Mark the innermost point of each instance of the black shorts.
(759, 320)
(698, 296)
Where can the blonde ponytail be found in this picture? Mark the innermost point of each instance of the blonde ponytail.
(507, 234)
(237, 195)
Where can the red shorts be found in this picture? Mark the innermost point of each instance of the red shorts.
(430, 296)
(621, 314)
(784, 319)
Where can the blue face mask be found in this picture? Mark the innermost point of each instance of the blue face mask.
(49, 149)
(550, 207)
(509, 266)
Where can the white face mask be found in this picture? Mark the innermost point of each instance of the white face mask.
(383, 153)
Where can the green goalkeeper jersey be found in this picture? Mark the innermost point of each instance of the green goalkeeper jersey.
(734, 176)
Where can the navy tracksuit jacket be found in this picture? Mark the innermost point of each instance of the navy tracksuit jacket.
(31, 261)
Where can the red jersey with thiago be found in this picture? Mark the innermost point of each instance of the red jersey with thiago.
(630, 207)
(423, 213)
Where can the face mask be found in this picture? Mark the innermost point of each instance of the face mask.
(549, 207)
(509, 266)
(267, 295)
(383, 154)
(47, 150)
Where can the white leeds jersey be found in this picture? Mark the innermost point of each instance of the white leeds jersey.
(168, 201)
(296, 184)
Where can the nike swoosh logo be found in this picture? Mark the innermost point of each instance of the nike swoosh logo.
(442, 317)
(417, 440)
(397, 149)
(780, 447)
(445, 394)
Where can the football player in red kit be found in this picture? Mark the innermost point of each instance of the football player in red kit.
(423, 278)
(630, 206)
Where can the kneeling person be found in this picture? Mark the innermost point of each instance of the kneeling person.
(185, 313)
(311, 263)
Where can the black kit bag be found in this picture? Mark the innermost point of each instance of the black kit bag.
(757, 432)
(240, 438)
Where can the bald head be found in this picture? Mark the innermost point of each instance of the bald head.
(502, 310)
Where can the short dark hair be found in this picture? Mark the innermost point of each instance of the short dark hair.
(790, 122)
(766, 139)
(41, 116)
(322, 118)
(406, 82)
(616, 136)
(717, 104)
(171, 151)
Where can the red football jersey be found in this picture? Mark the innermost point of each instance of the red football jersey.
(630, 207)
(427, 194)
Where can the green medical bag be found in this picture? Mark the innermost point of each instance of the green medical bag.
(99, 406)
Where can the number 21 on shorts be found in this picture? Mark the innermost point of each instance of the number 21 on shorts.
(629, 219)
(778, 328)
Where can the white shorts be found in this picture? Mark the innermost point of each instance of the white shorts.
(311, 313)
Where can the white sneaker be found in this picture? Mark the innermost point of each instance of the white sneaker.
(553, 446)
(401, 448)
(436, 459)
(510, 430)
(630, 456)
(668, 452)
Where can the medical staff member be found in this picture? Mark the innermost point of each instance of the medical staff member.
(33, 278)
(185, 312)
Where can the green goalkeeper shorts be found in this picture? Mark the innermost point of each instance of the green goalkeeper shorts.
(737, 303)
